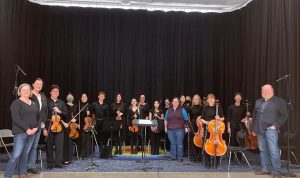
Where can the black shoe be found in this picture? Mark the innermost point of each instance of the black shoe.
(262, 173)
(59, 166)
(66, 163)
(49, 167)
(33, 171)
(276, 175)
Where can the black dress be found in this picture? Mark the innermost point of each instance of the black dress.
(196, 152)
(156, 135)
(68, 142)
(134, 136)
(119, 125)
(85, 136)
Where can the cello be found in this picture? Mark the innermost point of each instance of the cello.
(215, 145)
(250, 139)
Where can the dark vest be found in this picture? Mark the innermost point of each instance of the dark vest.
(175, 119)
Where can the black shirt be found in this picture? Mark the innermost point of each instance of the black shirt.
(209, 112)
(118, 107)
(60, 105)
(144, 111)
(83, 114)
(195, 111)
(44, 109)
(235, 115)
(101, 111)
(24, 116)
(72, 110)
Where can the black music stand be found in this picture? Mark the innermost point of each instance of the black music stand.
(143, 123)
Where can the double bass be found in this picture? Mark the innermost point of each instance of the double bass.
(250, 139)
(215, 145)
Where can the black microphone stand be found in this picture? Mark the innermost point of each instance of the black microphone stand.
(290, 109)
(15, 90)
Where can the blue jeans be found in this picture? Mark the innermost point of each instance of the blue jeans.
(22, 146)
(269, 151)
(33, 151)
(176, 137)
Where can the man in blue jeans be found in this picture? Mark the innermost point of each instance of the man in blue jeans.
(175, 119)
(269, 114)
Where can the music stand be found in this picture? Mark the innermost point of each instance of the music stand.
(143, 123)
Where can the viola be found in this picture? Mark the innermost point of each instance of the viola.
(56, 126)
(215, 145)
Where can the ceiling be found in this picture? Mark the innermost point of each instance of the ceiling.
(217, 6)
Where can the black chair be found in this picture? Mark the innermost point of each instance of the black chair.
(235, 150)
(40, 148)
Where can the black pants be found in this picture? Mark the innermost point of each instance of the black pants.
(68, 146)
(118, 139)
(134, 142)
(195, 152)
(155, 141)
(85, 142)
(57, 140)
(209, 160)
(102, 135)
(234, 141)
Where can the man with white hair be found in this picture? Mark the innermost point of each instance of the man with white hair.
(269, 114)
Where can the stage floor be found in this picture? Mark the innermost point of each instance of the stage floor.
(147, 175)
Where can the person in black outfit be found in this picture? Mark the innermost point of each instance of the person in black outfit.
(68, 142)
(235, 115)
(156, 114)
(85, 135)
(103, 121)
(41, 99)
(56, 139)
(167, 106)
(133, 113)
(184, 103)
(208, 114)
(195, 111)
(119, 122)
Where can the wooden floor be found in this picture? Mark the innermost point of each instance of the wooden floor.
(146, 175)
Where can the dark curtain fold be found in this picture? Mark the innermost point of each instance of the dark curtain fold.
(154, 53)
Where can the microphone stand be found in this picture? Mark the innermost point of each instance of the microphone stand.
(15, 90)
(290, 109)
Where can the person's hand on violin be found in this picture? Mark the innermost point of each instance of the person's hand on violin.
(56, 110)
(135, 116)
(73, 120)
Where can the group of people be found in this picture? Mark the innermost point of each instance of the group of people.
(34, 114)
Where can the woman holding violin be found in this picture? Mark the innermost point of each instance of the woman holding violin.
(57, 112)
(86, 122)
(134, 131)
(118, 108)
(156, 114)
(196, 136)
(210, 113)
(71, 132)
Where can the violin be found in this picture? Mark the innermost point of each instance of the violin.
(73, 129)
(56, 126)
(89, 122)
(134, 128)
(198, 137)
(215, 145)
(250, 140)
